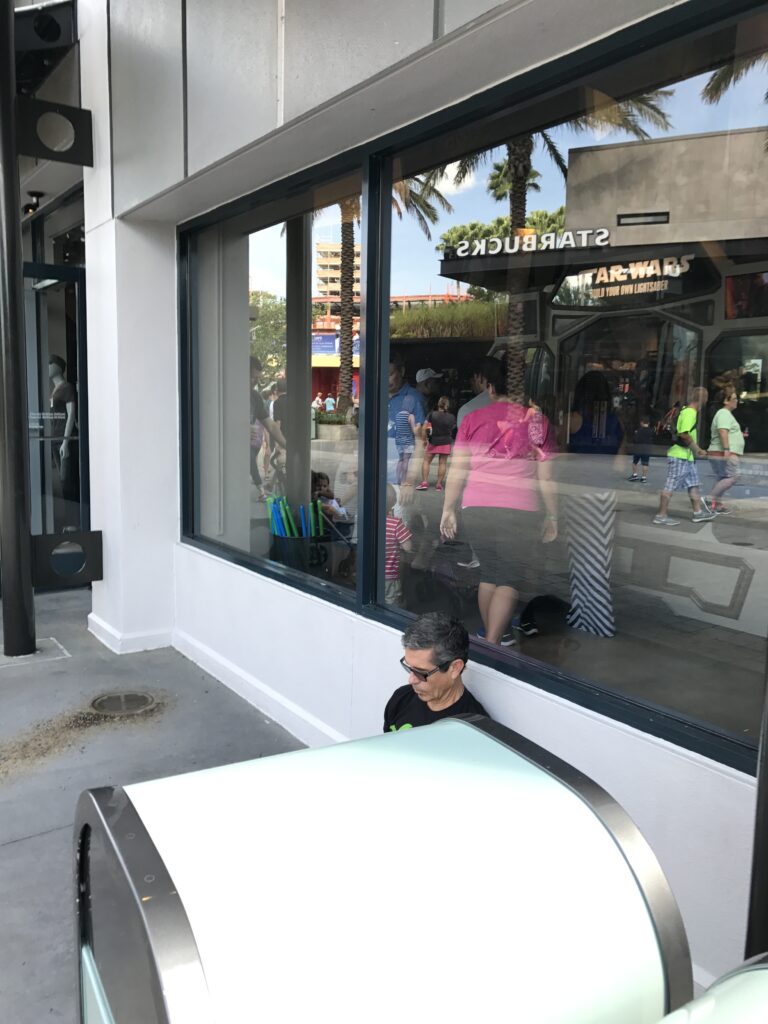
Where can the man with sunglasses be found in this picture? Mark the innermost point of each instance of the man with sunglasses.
(436, 653)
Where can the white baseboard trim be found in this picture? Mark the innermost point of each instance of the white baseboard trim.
(127, 643)
(297, 720)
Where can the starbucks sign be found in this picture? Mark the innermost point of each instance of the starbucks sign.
(548, 240)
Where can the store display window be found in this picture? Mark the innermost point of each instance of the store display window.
(275, 384)
(552, 504)
(565, 440)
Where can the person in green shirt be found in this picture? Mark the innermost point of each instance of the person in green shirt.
(725, 449)
(681, 467)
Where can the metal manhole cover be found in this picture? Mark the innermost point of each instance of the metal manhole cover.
(123, 703)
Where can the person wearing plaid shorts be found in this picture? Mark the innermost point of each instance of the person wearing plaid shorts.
(681, 467)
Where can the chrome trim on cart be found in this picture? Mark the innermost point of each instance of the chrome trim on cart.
(146, 907)
(662, 906)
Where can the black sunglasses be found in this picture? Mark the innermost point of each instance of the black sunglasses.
(424, 676)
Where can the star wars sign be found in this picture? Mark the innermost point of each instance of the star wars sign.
(638, 282)
(638, 277)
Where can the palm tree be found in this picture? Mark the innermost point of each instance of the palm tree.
(543, 221)
(721, 80)
(499, 182)
(350, 212)
(416, 196)
(630, 116)
(729, 74)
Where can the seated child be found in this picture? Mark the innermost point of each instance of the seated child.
(321, 490)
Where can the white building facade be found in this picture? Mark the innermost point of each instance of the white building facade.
(196, 106)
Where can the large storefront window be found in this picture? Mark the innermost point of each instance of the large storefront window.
(276, 384)
(572, 456)
(577, 458)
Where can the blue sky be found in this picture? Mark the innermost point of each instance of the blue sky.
(414, 259)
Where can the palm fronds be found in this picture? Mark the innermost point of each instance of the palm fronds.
(721, 80)
(420, 197)
(630, 116)
(551, 148)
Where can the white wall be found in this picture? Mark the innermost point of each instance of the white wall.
(339, 73)
(326, 674)
(133, 429)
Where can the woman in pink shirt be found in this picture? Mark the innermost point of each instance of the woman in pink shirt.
(501, 475)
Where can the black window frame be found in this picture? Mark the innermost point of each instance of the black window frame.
(375, 161)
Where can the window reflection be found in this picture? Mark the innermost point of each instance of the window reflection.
(277, 385)
(589, 277)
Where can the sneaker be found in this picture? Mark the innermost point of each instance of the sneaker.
(713, 505)
(507, 640)
(665, 521)
(633, 478)
(644, 480)
(423, 486)
(438, 487)
(528, 628)
(473, 563)
(704, 516)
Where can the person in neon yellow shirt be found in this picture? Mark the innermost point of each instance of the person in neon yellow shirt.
(725, 449)
(681, 465)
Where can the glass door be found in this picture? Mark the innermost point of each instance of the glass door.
(54, 298)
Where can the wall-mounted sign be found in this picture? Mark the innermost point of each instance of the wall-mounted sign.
(638, 282)
(638, 277)
(548, 240)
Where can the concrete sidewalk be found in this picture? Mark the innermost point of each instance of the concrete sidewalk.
(52, 746)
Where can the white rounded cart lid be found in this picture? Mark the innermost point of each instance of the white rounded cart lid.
(442, 873)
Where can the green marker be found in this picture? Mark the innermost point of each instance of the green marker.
(294, 531)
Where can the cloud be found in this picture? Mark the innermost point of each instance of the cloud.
(266, 281)
(266, 261)
(448, 186)
(327, 218)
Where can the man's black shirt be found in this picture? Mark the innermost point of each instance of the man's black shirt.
(280, 411)
(405, 710)
(258, 409)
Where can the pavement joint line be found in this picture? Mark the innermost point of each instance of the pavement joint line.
(35, 835)
(39, 655)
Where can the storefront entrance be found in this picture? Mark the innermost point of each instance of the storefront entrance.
(56, 393)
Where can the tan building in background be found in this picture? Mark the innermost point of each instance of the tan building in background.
(328, 269)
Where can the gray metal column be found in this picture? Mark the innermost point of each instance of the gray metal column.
(15, 543)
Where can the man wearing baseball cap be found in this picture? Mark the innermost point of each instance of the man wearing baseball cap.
(422, 376)
(426, 384)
